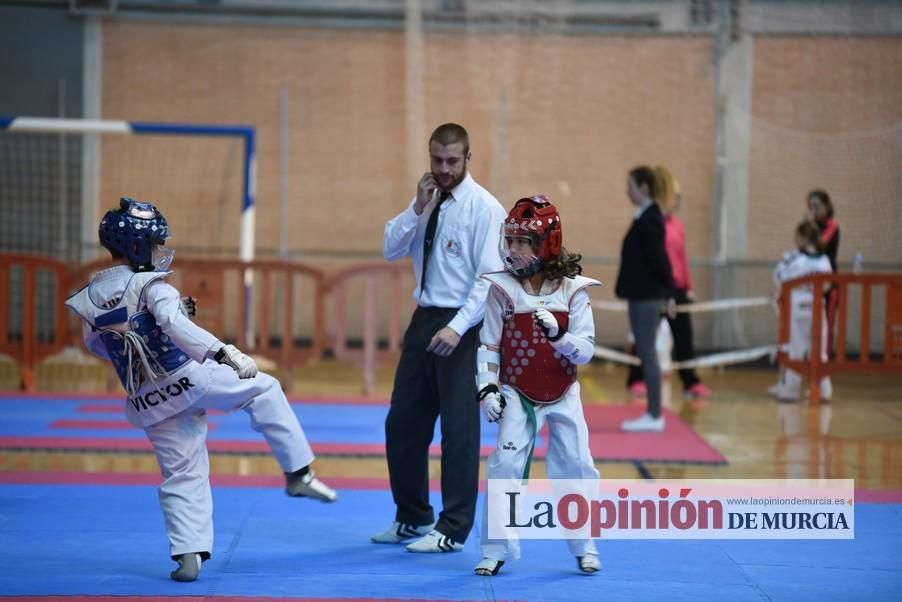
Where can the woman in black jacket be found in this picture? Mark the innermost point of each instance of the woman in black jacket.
(645, 280)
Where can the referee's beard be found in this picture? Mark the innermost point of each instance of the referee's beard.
(454, 181)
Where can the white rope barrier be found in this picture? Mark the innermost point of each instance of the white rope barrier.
(728, 357)
(609, 305)
(714, 359)
(722, 304)
(616, 356)
(719, 305)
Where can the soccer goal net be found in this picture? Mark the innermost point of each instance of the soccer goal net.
(58, 176)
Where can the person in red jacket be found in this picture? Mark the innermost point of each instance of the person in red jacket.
(668, 199)
(820, 211)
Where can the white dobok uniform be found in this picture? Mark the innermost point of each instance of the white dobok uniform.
(161, 356)
(796, 265)
(538, 382)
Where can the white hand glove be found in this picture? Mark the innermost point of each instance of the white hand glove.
(546, 321)
(493, 406)
(188, 306)
(237, 361)
(493, 403)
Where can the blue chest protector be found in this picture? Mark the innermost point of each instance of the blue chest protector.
(137, 347)
(163, 355)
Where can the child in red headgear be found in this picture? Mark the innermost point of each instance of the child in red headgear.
(538, 327)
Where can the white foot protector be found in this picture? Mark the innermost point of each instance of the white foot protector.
(488, 567)
(189, 567)
(589, 564)
(309, 486)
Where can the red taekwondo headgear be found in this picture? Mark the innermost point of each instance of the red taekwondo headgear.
(536, 218)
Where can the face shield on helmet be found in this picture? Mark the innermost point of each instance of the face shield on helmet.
(531, 236)
(137, 231)
(161, 257)
(518, 251)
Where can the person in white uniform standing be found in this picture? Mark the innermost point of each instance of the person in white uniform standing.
(538, 328)
(174, 372)
(809, 259)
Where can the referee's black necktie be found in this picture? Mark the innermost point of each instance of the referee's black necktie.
(431, 226)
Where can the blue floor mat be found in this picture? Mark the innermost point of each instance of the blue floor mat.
(95, 540)
(324, 423)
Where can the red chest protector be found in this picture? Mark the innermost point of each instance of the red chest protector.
(530, 364)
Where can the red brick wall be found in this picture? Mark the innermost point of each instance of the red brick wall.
(563, 115)
(827, 114)
(567, 116)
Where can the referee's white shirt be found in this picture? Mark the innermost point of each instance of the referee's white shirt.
(467, 244)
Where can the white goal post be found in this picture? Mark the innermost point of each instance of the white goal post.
(246, 136)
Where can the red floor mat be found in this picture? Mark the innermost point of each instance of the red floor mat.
(677, 443)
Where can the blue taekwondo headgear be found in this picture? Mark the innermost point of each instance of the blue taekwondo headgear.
(134, 231)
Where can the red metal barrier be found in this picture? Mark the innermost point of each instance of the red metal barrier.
(296, 290)
(373, 274)
(26, 347)
(814, 368)
(218, 285)
(289, 303)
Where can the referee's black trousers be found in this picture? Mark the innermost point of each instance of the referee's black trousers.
(428, 386)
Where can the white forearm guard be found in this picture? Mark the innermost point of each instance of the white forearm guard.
(484, 374)
(578, 351)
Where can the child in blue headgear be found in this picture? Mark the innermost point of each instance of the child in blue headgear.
(174, 372)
